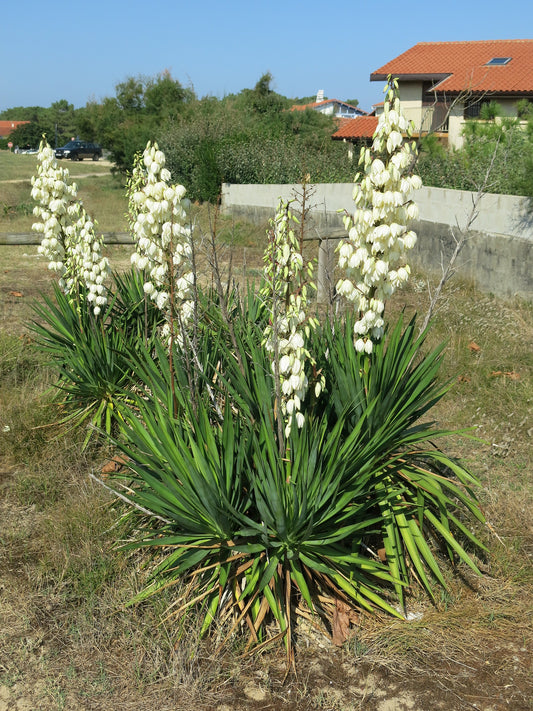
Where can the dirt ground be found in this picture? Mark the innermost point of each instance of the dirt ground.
(43, 667)
(470, 652)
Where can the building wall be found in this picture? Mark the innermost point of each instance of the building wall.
(498, 255)
(457, 122)
(426, 118)
(411, 96)
(422, 116)
(508, 106)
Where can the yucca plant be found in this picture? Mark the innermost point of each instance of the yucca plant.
(429, 502)
(427, 496)
(270, 455)
(132, 311)
(253, 534)
(89, 356)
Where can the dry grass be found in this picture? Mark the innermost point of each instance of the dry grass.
(102, 196)
(67, 641)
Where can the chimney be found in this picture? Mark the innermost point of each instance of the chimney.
(320, 95)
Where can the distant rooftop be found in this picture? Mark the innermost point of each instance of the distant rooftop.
(502, 66)
(359, 127)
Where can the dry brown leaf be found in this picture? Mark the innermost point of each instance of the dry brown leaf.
(464, 379)
(511, 374)
(341, 623)
(18, 294)
(473, 346)
(114, 465)
(382, 555)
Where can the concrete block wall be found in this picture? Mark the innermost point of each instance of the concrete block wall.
(497, 256)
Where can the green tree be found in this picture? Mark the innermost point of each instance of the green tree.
(21, 113)
(137, 114)
(501, 145)
(63, 116)
(130, 94)
(490, 111)
(165, 96)
(27, 135)
(524, 108)
(262, 99)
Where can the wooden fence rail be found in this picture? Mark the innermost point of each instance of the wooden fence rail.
(12, 239)
(326, 249)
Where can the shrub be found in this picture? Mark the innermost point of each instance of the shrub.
(502, 150)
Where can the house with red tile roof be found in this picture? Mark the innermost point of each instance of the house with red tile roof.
(331, 107)
(442, 84)
(358, 130)
(7, 127)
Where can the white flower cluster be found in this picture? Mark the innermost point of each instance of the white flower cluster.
(284, 337)
(373, 257)
(86, 260)
(68, 239)
(163, 238)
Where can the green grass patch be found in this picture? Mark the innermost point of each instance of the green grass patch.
(22, 166)
(101, 192)
(103, 198)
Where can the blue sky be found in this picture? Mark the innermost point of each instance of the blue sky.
(79, 51)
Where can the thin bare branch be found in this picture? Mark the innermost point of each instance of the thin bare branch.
(460, 236)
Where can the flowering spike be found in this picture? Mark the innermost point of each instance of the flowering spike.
(68, 237)
(372, 258)
(287, 280)
(163, 238)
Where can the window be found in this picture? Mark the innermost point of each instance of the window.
(498, 61)
(472, 110)
(428, 95)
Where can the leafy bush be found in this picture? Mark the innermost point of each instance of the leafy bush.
(234, 143)
(503, 150)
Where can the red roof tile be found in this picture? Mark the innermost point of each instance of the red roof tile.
(7, 126)
(342, 121)
(461, 66)
(360, 127)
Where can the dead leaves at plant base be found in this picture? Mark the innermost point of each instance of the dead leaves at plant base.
(116, 464)
(343, 616)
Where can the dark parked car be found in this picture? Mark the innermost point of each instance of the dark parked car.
(78, 150)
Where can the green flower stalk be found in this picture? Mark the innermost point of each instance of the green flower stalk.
(287, 280)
